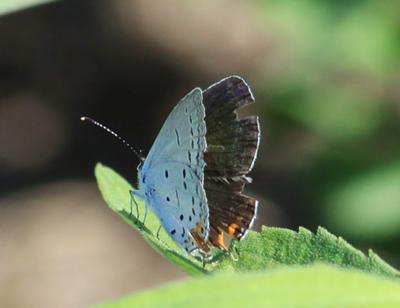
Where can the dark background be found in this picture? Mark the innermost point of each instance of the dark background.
(325, 75)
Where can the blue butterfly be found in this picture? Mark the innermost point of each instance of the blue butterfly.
(195, 173)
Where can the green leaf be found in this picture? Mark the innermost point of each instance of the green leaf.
(276, 246)
(258, 251)
(312, 286)
(115, 191)
(9, 6)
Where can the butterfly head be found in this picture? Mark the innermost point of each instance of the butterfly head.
(147, 189)
(141, 176)
(142, 190)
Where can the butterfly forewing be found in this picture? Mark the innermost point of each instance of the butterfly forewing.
(184, 132)
(174, 173)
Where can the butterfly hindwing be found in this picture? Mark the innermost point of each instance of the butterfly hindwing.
(180, 203)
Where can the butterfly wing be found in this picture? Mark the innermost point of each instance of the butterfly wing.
(173, 174)
(180, 202)
(182, 137)
(232, 150)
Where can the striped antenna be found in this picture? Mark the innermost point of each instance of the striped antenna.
(141, 158)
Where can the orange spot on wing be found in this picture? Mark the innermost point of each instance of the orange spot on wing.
(220, 241)
(201, 244)
(199, 228)
(232, 229)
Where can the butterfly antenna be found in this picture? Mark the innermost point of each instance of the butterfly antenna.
(114, 134)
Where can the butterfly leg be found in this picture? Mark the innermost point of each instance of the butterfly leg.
(158, 232)
(133, 200)
(144, 218)
(234, 255)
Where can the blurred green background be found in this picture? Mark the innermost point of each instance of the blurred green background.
(326, 77)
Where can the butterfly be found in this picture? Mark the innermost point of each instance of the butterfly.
(195, 172)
